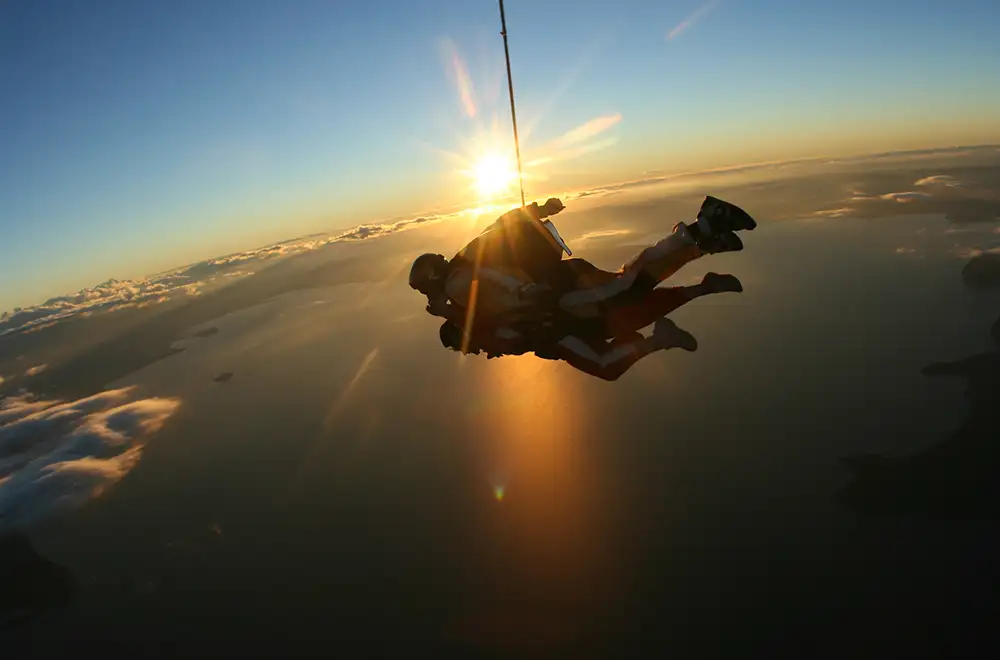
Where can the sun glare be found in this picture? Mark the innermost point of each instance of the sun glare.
(493, 175)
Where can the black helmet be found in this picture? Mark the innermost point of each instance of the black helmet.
(427, 271)
(452, 337)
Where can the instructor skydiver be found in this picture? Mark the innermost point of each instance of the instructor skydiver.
(491, 280)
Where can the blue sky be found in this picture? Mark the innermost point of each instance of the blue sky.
(136, 136)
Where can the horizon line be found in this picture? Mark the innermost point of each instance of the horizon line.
(456, 210)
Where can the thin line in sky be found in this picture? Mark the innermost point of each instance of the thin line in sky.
(699, 14)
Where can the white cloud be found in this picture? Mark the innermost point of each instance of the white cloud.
(57, 456)
(906, 250)
(938, 180)
(37, 369)
(603, 233)
(905, 197)
(107, 296)
(834, 213)
(22, 405)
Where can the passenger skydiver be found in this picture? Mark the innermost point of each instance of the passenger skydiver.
(607, 360)
(583, 343)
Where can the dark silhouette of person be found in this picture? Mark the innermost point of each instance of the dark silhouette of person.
(605, 347)
(515, 267)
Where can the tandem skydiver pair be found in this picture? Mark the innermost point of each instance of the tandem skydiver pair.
(511, 292)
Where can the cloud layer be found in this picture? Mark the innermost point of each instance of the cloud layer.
(962, 202)
(115, 295)
(57, 456)
(107, 296)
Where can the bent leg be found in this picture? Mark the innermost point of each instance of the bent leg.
(632, 316)
(647, 269)
(653, 306)
(609, 360)
(664, 258)
(605, 360)
(581, 274)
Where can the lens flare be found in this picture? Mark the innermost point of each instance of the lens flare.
(493, 175)
(483, 159)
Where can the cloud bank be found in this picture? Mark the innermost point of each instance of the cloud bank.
(107, 296)
(114, 295)
(57, 456)
(964, 201)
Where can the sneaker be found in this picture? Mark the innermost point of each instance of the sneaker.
(717, 216)
(668, 335)
(722, 283)
(716, 243)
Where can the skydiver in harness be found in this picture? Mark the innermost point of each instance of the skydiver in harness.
(605, 347)
(514, 269)
(502, 272)
(607, 360)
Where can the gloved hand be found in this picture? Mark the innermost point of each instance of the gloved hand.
(552, 206)
(438, 306)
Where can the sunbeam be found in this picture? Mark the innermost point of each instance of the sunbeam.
(460, 72)
(590, 54)
(484, 157)
(338, 405)
(699, 14)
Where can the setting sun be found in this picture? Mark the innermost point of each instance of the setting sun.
(493, 174)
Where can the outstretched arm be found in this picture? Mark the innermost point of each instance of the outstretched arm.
(551, 207)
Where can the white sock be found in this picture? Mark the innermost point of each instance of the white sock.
(689, 233)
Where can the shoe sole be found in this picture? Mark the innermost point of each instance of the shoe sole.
(748, 221)
(725, 242)
(715, 277)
